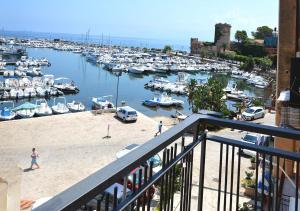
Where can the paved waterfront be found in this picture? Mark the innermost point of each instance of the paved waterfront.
(71, 147)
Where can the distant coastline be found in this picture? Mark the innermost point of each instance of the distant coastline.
(100, 39)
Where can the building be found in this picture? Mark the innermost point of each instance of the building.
(196, 46)
(222, 36)
(271, 43)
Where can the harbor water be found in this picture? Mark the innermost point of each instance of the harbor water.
(94, 81)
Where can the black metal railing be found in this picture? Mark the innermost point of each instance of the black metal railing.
(137, 182)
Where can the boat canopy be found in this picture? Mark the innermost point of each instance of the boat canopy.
(25, 106)
(61, 79)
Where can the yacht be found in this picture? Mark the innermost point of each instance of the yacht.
(60, 107)
(43, 109)
(136, 69)
(66, 85)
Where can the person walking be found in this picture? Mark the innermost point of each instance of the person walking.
(34, 156)
(159, 128)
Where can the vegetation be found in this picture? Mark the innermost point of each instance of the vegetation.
(167, 49)
(248, 65)
(262, 32)
(246, 207)
(177, 183)
(241, 36)
(264, 63)
(253, 159)
(208, 96)
(257, 102)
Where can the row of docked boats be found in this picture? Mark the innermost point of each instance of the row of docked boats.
(46, 86)
(60, 106)
(178, 87)
(134, 60)
(251, 79)
(140, 68)
(163, 100)
(40, 108)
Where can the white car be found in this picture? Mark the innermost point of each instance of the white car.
(257, 139)
(127, 114)
(157, 162)
(253, 113)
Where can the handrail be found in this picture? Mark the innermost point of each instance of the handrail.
(105, 177)
(83, 191)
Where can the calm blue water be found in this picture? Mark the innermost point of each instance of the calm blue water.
(102, 39)
(94, 81)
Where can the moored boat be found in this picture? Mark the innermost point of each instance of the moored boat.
(60, 107)
(6, 113)
(43, 109)
(26, 110)
(75, 106)
(102, 103)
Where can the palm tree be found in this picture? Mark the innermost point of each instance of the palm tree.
(192, 86)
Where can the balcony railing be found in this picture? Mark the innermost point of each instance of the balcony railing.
(184, 180)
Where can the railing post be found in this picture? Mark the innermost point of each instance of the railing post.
(202, 173)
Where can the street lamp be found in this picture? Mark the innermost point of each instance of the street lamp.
(118, 74)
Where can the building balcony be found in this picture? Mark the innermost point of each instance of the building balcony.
(200, 170)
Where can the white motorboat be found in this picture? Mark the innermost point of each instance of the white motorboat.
(136, 69)
(66, 85)
(40, 92)
(6, 113)
(119, 67)
(60, 107)
(16, 93)
(164, 100)
(75, 106)
(26, 110)
(102, 103)
(29, 92)
(48, 80)
(43, 109)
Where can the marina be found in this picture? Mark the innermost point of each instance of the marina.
(82, 73)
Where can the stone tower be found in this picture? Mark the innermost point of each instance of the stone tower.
(222, 36)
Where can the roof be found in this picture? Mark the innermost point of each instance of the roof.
(120, 192)
(256, 107)
(127, 108)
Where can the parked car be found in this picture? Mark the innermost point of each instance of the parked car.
(110, 191)
(127, 114)
(156, 159)
(258, 139)
(253, 113)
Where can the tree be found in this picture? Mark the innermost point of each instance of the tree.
(264, 63)
(192, 90)
(167, 49)
(241, 36)
(209, 96)
(248, 64)
(262, 32)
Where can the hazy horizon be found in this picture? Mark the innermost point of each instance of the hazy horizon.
(168, 20)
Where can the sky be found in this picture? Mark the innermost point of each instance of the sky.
(173, 20)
